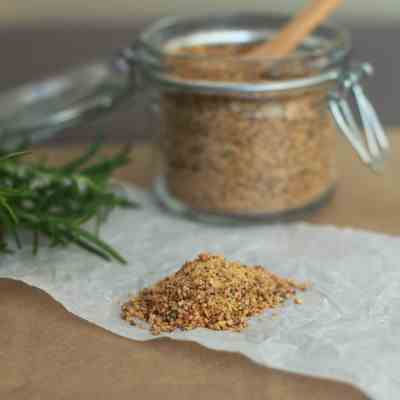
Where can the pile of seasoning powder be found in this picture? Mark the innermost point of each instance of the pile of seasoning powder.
(210, 292)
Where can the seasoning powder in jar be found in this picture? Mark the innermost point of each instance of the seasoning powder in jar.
(245, 154)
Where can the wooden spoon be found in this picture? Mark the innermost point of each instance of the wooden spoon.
(294, 33)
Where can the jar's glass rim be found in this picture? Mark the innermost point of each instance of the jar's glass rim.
(153, 39)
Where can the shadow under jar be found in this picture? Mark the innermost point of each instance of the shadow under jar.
(243, 138)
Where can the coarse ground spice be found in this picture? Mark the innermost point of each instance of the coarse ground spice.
(210, 292)
(246, 154)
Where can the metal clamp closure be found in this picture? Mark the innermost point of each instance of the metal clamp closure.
(369, 141)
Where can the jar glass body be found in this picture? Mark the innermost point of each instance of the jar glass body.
(244, 156)
(236, 146)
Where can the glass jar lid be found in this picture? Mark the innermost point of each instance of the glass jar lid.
(36, 111)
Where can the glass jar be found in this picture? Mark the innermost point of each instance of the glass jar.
(241, 138)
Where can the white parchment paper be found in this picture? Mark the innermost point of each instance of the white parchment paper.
(348, 327)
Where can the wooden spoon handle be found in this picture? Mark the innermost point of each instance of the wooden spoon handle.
(296, 30)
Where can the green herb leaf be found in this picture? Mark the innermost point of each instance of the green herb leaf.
(56, 202)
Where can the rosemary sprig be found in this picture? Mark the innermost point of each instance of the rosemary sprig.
(56, 202)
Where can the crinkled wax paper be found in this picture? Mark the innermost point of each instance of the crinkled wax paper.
(348, 327)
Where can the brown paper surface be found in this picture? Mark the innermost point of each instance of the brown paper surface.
(47, 353)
